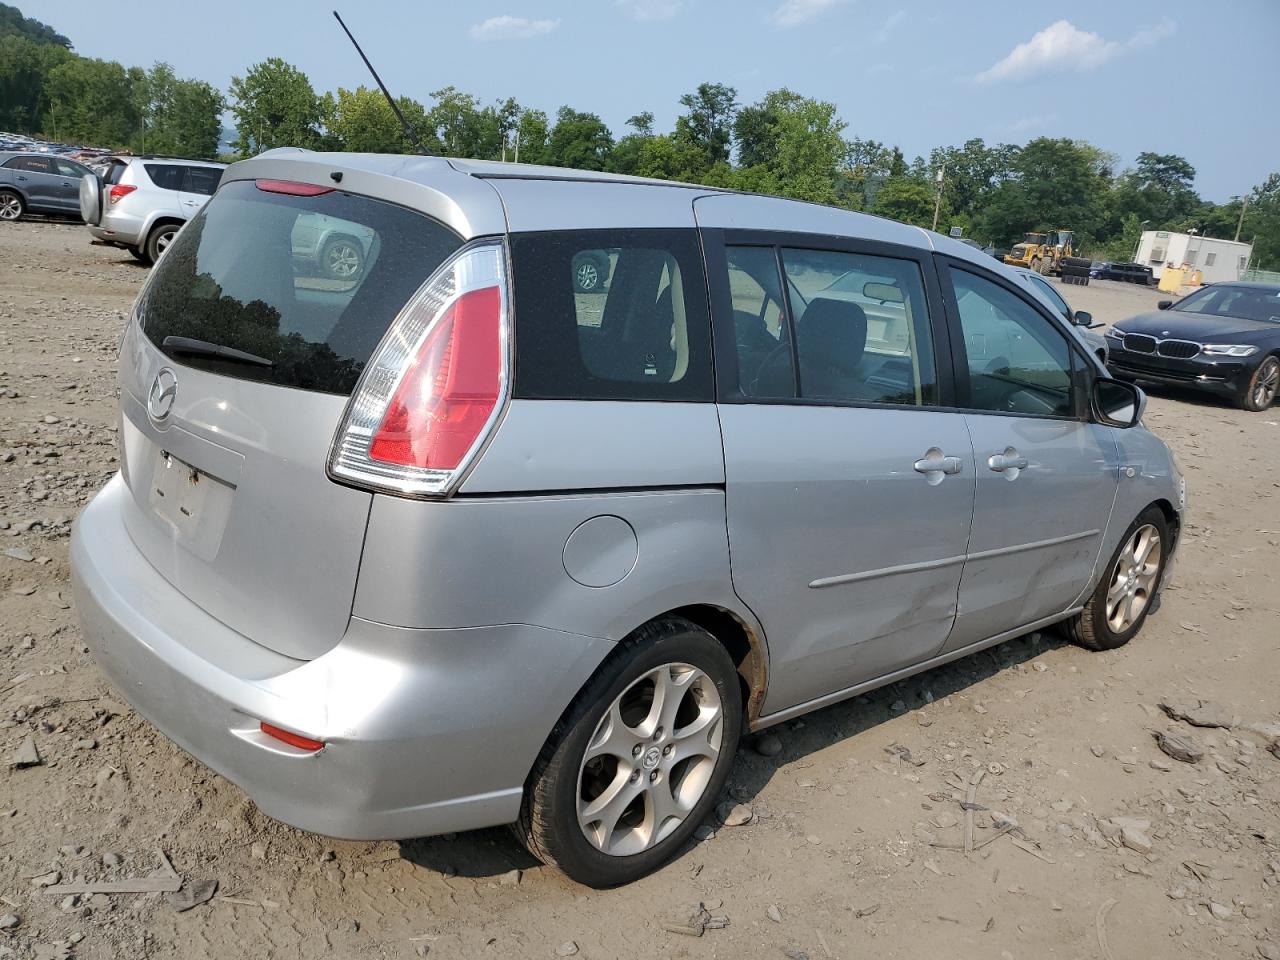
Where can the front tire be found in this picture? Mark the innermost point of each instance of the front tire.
(11, 205)
(1126, 593)
(639, 758)
(1261, 391)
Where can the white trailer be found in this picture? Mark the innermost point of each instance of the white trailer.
(1217, 260)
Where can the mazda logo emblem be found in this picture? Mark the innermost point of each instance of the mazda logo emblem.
(164, 390)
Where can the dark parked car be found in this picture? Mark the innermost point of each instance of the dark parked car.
(39, 183)
(1224, 338)
(1128, 272)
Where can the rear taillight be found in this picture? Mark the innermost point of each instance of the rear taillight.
(435, 386)
(119, 191)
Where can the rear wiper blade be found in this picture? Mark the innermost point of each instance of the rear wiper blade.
(204, 348)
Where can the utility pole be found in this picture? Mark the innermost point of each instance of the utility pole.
(517, 146)
(1244, 205)
(937, 201)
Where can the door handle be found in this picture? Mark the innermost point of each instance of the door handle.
(20, 178)
(1010, 463)
(935, 465)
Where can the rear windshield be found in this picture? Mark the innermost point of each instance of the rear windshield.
(611, 315)
(308, 283)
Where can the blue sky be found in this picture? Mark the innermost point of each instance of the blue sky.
(1194, 78)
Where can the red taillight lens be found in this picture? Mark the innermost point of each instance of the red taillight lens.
(434, 388)
(292, 188)
(119, 191)
(450, 389)
(293, 739)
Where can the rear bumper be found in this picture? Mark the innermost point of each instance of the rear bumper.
(426, 731)
(119, 227)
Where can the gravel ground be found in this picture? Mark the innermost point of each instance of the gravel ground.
(850, 844)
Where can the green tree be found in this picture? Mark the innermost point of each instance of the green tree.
(972, 172)
(625, 156)
(1054, 183)
(362, 121)
(24, 70)
(1159, 190)
(92, 101)
(1262, 223)
(579, 140)
(707, 122)
(908, 199)
(181, 118)
(532, 133)
(794, 145)
(13, 23)
(274, 105)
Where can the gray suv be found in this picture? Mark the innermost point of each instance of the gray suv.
(454, 542)
(140, 203)
(39, 183)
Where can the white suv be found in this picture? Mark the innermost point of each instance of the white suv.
(140, 203)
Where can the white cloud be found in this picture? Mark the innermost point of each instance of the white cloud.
(649, 10)
(886, 29)
(1062, 47)
(512, 28)
(792, 13)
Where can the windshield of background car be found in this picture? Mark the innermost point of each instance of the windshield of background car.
(1240, 303)
(309, 283)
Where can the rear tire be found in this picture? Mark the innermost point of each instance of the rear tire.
(1261, 391)
(12, 206)
(624, 810)
(160, 239)
(139, 254)
(342, 259)
(1126, 592)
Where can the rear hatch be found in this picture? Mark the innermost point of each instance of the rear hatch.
(235, 376)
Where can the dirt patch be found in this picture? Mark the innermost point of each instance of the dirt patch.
(1086, 839)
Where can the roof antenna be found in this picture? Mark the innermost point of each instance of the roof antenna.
(408, 130)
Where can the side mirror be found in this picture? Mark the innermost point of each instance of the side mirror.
(1118, 403)
(1164, 304)
(1082, 318)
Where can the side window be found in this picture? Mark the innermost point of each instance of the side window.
(611, 315)
(1019, 362)
(760, 335)
(36, 165)
(203, 180)
(1054, 297)
(164, 175)
(16, 163)
(861, 327)
(68, 169)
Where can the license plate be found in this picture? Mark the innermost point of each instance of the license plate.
(179, 493)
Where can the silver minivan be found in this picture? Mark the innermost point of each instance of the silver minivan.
(452, 541)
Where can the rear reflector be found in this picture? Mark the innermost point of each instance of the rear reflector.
(293, 188)
(434, 388)
(119, 191)
(293, 739)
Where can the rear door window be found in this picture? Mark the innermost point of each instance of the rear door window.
(202, 180)
(166, 176)
(611, 315)
(251, 272)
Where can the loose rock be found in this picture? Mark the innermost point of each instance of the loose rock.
(567, 949)
(734, 814)
(1179, 747)
(1199, 713)
(768, 745)
(26, 755)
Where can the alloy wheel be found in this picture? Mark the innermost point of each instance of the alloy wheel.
(342, 261)
(588, 276)
(1266, 383)
(163, 241)
(650, 759)
(1133, 580)
(10, 207)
